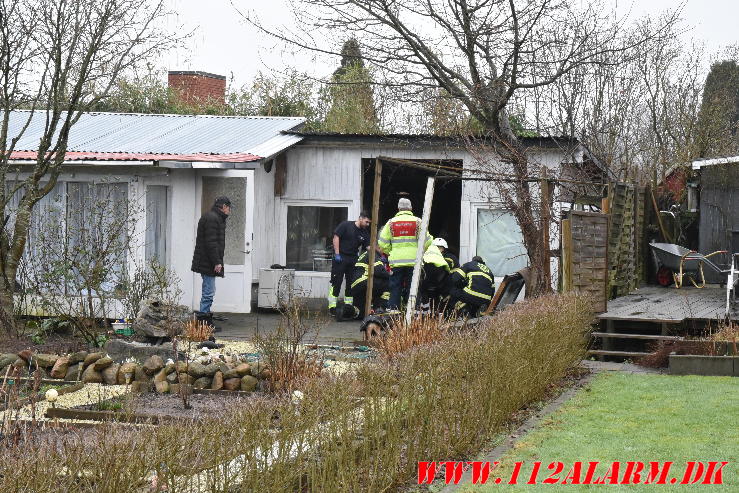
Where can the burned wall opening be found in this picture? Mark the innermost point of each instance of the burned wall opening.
(404, 181)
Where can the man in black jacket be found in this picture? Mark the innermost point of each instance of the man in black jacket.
(207, 260)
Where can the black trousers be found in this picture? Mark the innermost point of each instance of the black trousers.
(341, 272)
(465, 303)
(359, 295)
(433, 284)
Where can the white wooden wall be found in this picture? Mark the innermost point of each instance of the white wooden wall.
(333, 175)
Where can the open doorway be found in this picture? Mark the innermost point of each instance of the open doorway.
(402, 181)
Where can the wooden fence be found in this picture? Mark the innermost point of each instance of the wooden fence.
(585, 254)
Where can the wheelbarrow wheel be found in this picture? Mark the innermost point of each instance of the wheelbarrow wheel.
(665, 277)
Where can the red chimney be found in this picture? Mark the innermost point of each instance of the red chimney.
(198, 87)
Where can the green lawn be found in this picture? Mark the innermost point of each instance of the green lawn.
(627, 417)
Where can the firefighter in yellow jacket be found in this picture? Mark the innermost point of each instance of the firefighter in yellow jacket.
(399, 241)
(434, 279)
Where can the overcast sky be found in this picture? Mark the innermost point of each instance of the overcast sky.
(223, 43)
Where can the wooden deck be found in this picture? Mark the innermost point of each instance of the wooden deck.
(669, 305)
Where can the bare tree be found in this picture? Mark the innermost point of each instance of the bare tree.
(482, 53)
(59, 58)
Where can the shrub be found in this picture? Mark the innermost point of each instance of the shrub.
(360, 431)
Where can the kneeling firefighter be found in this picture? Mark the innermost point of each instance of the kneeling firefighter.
(359, 279)
(450, 258)
(433, 279)
(473, 286)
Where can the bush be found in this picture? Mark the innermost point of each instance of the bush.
(361, 431)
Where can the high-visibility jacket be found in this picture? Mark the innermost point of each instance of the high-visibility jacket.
(399, 239)
(433, 256)
(475, 279)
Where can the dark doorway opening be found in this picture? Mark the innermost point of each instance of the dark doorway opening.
(403, 181)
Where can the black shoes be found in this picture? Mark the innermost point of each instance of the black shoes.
(208, 319)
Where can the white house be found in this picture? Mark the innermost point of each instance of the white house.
(289, 190)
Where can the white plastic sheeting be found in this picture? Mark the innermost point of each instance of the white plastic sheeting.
(499, 242)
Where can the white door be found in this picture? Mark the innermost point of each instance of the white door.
(233, 292)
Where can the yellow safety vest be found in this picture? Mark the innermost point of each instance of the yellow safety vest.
(399, 239)
(433, 256)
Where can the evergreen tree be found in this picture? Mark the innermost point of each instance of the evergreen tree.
(719, 112)
(349, 97)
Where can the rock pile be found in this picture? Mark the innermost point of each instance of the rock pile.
(154, 374)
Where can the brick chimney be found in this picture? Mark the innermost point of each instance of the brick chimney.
(195, 87)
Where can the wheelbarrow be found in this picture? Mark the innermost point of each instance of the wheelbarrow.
(675, 262)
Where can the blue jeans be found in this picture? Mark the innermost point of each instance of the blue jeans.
(209, 290)
(400, 286)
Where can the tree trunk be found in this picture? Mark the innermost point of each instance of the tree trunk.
(7, 312)
(14, 247)
(519, 200)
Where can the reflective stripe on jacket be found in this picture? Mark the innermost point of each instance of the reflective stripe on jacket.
(451, 259)
(399, 239)
(475, 279)
(361, 270)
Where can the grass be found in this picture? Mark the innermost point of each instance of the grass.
(627, 417)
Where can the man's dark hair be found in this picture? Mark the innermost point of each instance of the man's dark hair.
(364, 214)
(478, 259)
(221, 201)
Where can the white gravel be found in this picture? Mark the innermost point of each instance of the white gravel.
(90, 393)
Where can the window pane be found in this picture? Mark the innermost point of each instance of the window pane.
(156, 224)
(499, 242)
(97, 233)
(310, 232)
(235, 190)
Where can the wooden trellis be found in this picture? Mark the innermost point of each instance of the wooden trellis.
(621, 240)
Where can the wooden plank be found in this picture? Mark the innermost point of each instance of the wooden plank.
(621, 335)
(373, 239)
(123, 417)
(625, 354)
(421, 240)
(604, 316)
(566, 255)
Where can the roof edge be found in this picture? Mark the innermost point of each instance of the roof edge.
(700, 163)
(313, 137)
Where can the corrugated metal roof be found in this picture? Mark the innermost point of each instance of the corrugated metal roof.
(165, 134)
(133, 156)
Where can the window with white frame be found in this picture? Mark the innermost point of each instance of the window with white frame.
(97, 231)
(310, 231)
(500, 242)
(80, 231)
(156, 224)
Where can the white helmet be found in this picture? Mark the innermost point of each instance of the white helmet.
(440, 242)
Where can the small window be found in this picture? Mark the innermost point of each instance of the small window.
(310, 231)
(156, 224)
